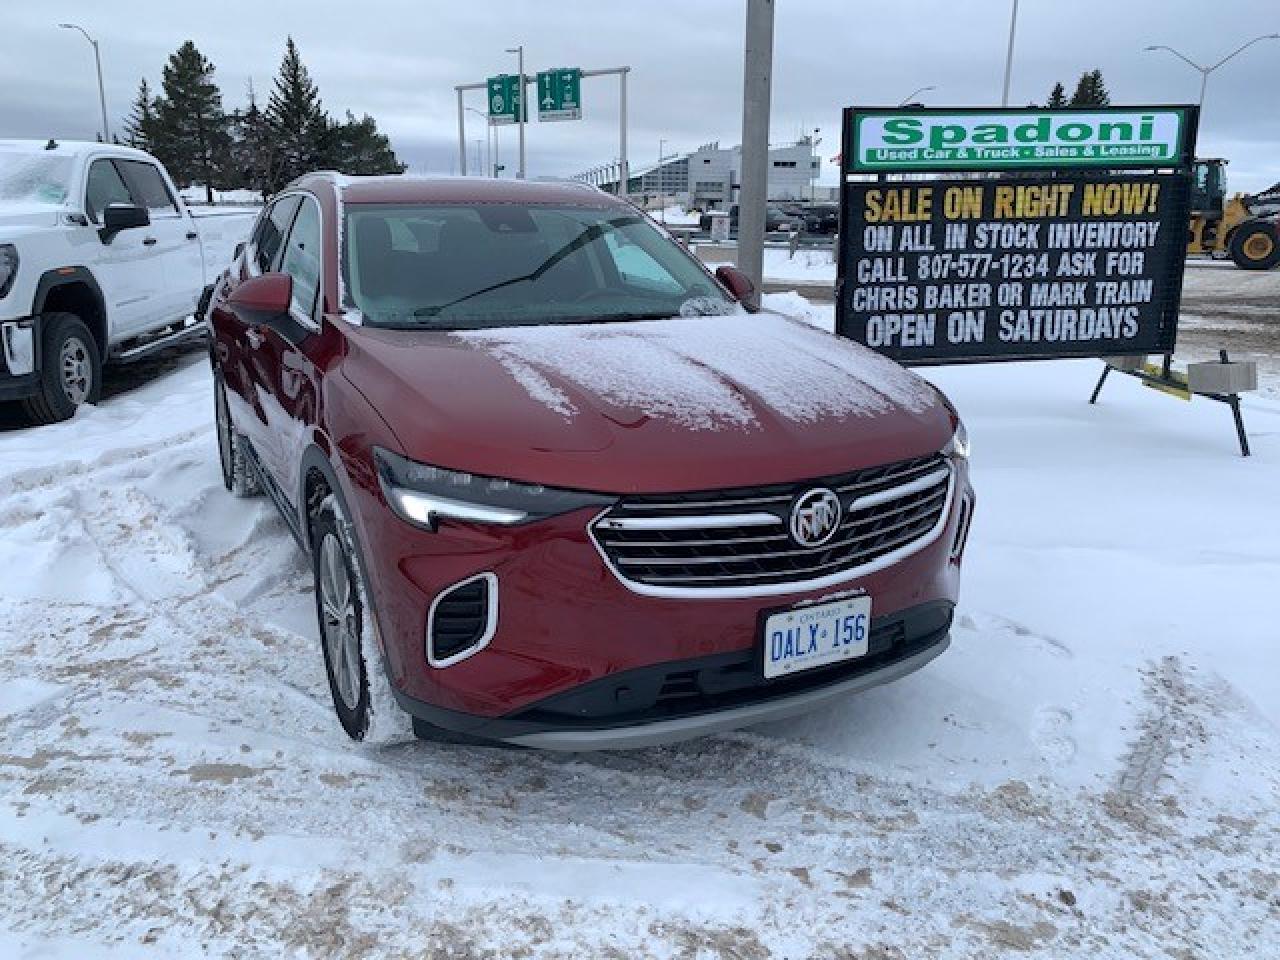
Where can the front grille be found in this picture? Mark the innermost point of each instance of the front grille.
(740, 537)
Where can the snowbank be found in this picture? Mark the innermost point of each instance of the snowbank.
(1091, 769)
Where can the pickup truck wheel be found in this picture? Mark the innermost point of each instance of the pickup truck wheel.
(70, 369)
(238, 475)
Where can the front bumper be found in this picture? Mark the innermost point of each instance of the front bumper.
(677, 701)
(19, 343)
(567, 626)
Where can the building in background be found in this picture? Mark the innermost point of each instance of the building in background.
(708, 178)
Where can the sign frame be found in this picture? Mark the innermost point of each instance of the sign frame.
(1179, 172)
(1188, 120)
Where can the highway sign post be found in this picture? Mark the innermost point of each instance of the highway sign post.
(560, 94)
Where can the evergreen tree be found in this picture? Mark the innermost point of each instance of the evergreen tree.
(296, 122)
(1091, 91)
(1057, 97)
(250, 148)
(140, 127)
(192, 138)
(357, 147)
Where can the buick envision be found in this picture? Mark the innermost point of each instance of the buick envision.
(558, 486)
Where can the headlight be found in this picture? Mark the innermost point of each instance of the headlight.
(958, 446)
(423, 494)
(8, 266)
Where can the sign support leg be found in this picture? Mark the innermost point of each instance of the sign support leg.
(462, 137)
(1106, 369)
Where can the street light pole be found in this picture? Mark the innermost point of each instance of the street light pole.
(521, 112)
(757, 95)
(488, 140)
(97, 60)
(913, 94)
(662, 179)
(1008, 60)
(1205, 71)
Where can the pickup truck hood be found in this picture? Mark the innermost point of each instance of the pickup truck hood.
(16, 220)
(649, 406)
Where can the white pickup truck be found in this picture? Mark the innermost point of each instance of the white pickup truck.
(100, 261)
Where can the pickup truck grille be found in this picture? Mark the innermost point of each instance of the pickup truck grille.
(739, 537)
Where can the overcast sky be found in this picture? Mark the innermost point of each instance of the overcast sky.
(400, 59)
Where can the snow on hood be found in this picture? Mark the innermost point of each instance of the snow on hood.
(26, 215)
(699, 372)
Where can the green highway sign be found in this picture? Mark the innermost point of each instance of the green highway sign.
(504, 99)
(884, 141)
(560, 94)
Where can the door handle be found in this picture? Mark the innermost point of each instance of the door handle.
(149, 241)
(192, 235)
(255, 337)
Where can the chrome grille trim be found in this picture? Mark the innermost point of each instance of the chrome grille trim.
(890, 513)
(723, 521)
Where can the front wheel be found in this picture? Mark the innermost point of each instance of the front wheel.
(70, 369)
(358, 683)
(1254, 246)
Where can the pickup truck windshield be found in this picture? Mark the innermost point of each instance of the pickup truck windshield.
(496, 265)
(34, 178)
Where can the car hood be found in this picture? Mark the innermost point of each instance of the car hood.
(17, 219)
(650, 406)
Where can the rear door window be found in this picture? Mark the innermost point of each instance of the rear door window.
(269, 236)
(105, 186)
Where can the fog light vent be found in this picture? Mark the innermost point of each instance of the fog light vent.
(962, 529)
(462, 620)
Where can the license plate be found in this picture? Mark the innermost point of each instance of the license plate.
(815, 636)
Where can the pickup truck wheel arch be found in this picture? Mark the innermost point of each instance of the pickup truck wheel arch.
(74, 290)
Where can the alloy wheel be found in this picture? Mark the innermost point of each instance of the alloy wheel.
(341, 622)
(77, 370)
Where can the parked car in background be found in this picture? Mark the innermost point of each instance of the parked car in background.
(777, 220)
(558, 487)
(100, 261)
(822, 218)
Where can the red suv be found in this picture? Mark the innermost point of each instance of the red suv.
(559, 487)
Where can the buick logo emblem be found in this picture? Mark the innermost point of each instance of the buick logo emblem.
(815, 517)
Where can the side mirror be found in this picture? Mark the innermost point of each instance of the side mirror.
(122, 216)
(738, 284)
(262, 299)
(238, 250)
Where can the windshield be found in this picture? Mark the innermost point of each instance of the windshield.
(37, 178)
(495, 265)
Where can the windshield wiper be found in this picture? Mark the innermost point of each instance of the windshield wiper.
(580, 241)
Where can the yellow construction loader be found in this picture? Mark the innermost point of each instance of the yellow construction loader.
(1245, 227)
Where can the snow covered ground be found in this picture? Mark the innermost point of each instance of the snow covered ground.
(1093, 768)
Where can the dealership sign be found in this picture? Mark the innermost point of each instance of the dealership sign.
(1079, 254)
(898, 140)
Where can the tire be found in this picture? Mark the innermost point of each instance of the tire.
(1255, 246)
(358, 684)
(70, 370)
(238, 475)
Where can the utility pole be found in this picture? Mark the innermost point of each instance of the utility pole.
(757, 87)
(1008, 60)
(521, 112)
(97, 60)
